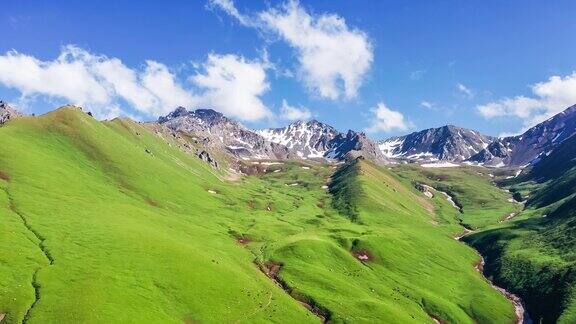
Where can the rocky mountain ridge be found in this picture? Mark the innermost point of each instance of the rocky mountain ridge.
(308, 139)
(446, 143)
(7, 112)
(301, 139)
(312, 139)
(533, 144)
(455, 144)
(217, 132)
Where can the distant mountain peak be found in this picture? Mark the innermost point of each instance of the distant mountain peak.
(307, 139)
(530, 146)
(207, 115)
(354, 144)
(447, 143)
(178, 112)
(219, 133)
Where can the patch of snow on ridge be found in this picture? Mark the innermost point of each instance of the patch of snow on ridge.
(387, 147)
(439, 165)
(307, 139)
(274, 137)
(556, 137)
(423, 155)
(236, 147)
(271, 163)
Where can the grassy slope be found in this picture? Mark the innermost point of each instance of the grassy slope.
(137, 237)
(472, 189)
(534, 255)
(418, 270)
(133, 235)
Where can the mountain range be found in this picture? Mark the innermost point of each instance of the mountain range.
(446, 143)
(218, 134)
(455, 144)
(301, 139)
(316, 140)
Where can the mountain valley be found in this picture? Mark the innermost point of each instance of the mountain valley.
(195, 214)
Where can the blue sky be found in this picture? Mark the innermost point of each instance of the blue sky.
(387, 67)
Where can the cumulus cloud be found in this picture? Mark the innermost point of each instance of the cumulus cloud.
(65, 77)
(548, 98)
(109, 88)
(122, 80)
(386, 119)
(333, 58)
(465, 90)
(293, 113)
(233, 86)
(95, 81)
(162, 83)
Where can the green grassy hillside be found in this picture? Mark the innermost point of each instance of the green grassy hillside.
(107, 222)
(535, 255)
(472, 188)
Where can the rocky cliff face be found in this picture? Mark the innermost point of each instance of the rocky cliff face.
(353, 145)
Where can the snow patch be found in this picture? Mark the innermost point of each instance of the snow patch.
(439, 165)
(388, 147)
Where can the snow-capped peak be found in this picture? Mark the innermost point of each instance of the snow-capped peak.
(446, 143)
(308, 139)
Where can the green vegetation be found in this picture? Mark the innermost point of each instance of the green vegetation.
(108, 222)
(472, 189)
(535, 256)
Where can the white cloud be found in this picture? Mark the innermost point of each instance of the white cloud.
(233, 86)
(124, 82)
(160, 82)
(386, 119)
(109, 88)
(94, 81)
(228, 7)
(64, 77)
(333, 58)
(465, 90)
(293, 113)
(427, 104)
(549, 98)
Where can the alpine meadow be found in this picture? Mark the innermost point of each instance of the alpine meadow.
(287, 162)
